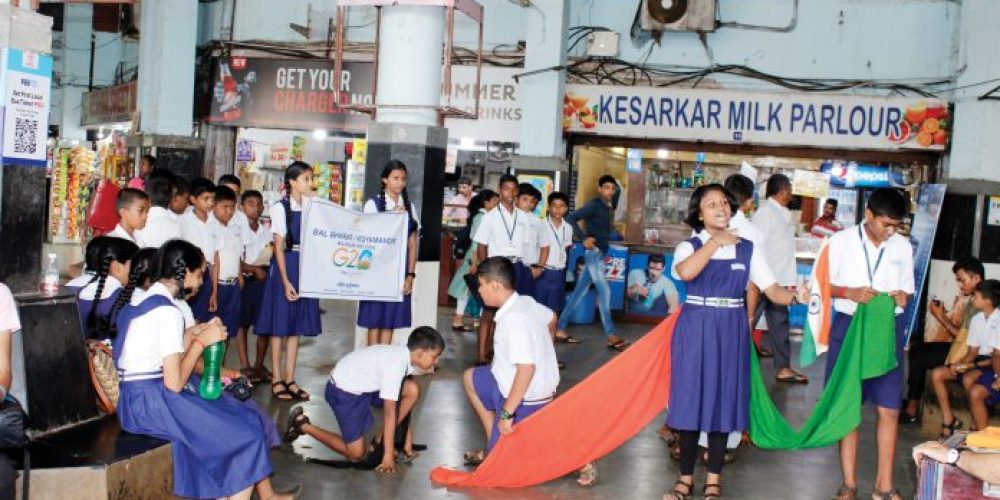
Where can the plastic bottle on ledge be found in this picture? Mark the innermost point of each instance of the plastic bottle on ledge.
(211, 378)
(49, 285)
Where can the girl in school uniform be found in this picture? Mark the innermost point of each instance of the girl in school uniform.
(710, 350)
(112, 258)
(482, 202)
(381, 318)
(283, 314)
(219, 448)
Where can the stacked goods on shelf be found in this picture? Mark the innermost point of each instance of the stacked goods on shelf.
(60, 182)
(81, 171)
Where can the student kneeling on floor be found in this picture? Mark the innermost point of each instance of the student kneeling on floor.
(373, 376)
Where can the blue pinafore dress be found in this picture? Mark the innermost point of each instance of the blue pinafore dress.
(219, 447)
(388, 315)
(277, 315)
(710, 350)
(103, 306)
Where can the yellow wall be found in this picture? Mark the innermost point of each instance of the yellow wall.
(590, 165)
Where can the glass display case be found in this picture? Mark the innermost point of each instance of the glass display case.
(666, 207)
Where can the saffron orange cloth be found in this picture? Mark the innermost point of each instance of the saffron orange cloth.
(589, 421)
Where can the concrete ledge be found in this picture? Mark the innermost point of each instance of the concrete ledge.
(148, 476)
(930, 413)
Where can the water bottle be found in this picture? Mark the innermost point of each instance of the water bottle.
(50, 278)
(698, 175)
(211, 378)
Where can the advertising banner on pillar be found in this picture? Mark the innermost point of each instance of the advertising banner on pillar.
(925, 223)
(289, 93)
(26, 90)
(110, 105)
(352, 256)
(499, 104)
(786, 119)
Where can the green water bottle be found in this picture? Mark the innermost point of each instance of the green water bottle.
(211, 378)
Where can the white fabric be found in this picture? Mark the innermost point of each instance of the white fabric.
(778, 232)
(229, 245)
(849, 268)
(186, 312)
(390, 206)
(153, 336)
(200, 234)
(9, 320)
(254, 242)
(161, 226)
(984, 332)
(535, 241)
(240, 220)
(504, 233)
(375, 368)
(760, 273)
(559, 238)
(120, 232)
(747, 230)
(110, 285)
(523, 338)
(278, 224)
(81, 280)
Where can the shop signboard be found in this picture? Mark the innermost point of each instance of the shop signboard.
(289, 93)
(499, 104)
(26, 86)
(785, 119)
(925, 222)
(993, 214)
(855, 175)
(110, 105)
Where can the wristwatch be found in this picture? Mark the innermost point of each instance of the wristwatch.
(953, 455)
(504, 415)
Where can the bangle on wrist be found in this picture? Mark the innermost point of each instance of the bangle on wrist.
(193, 341)
(411, 275)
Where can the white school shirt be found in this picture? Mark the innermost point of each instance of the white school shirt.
(760, 273)
(849, 268)
(229, 245)
(375, 368)
(152, 336)
(120, 232)
(254, 242)
(200, 234)
(161, 226)
(559, 238)
(504, 233)
(522, 338)
(81, 280)
(535, 241)
(984, 332)
(391, 206)
(240, 220)
(9, 320)
(111, 284)
(778, 237)
(278, 224)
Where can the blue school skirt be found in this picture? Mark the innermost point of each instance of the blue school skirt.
(282, 318)
(353, 411)
(390, 315)
(219, 447)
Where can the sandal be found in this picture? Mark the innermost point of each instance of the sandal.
(619, 346)
(566, 338)
(677, 494)
(892, 494)
(474, 457)
(948, 430)
(798, 378)
(706, 495)
(283, 394)
(667, 435)
(299, 393)
(407, 458)
(294, 422)
(588, 475)
(846, 493)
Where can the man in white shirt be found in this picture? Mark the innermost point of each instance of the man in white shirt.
(864, 261)
(161, 224)
(778, 232)
(524, 374)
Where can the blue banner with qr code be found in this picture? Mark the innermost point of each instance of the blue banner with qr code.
(26, 83)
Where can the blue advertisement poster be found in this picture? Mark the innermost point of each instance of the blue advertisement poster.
(614, 265)
(925, 221)
(650, 290)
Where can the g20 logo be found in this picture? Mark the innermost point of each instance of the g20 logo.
(352, 258)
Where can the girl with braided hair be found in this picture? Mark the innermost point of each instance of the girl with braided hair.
(285, 316)
(94, 301)
(140, 272)
(219, 447)
(91, 261)
(381, 318)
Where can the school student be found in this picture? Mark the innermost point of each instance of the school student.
(381, 318)
(284, 316)
(985, 389)
(984, 332)
(866, 260)
(502, 233)
(710, 347)
(598, 214)
(233, 182)
(524, 373)
(196, 227)
(550, 287)
(375, 376)
(227, 277)
(94, 300)
(161, 224)
(181, 202)
(536, 246)
(132, 206)
(219, 448)
(258, 247)
(10, 323)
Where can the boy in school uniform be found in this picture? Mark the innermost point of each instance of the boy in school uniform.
(550, 287)
(234, 183)
(258, 246)
(375, 376)
(196, 228)
(983, 384)
(867, 260)
(132, 206)
(161, 224)
(227, 278)
(181, 202)
(503, 232)
(536, 247)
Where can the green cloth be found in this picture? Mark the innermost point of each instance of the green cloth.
(869, 351)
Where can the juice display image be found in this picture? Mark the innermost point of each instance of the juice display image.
(926, 124)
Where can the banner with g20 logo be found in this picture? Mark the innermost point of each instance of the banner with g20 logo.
(350, 255)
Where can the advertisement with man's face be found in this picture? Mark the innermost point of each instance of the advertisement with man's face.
(650, 290)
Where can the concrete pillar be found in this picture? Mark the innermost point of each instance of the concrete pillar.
(974, 148)
(409, 70)
(166, 66)
(75, 68)
(541, 93)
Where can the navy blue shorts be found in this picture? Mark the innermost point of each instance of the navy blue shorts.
(253, 294)
(986, 380)
(885, 391)
(353, 411)
(550, 289)
(489, 394)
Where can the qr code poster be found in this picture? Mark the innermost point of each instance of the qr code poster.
(26, 107)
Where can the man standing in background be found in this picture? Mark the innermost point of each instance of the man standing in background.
(827, 225)
(456, 206)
